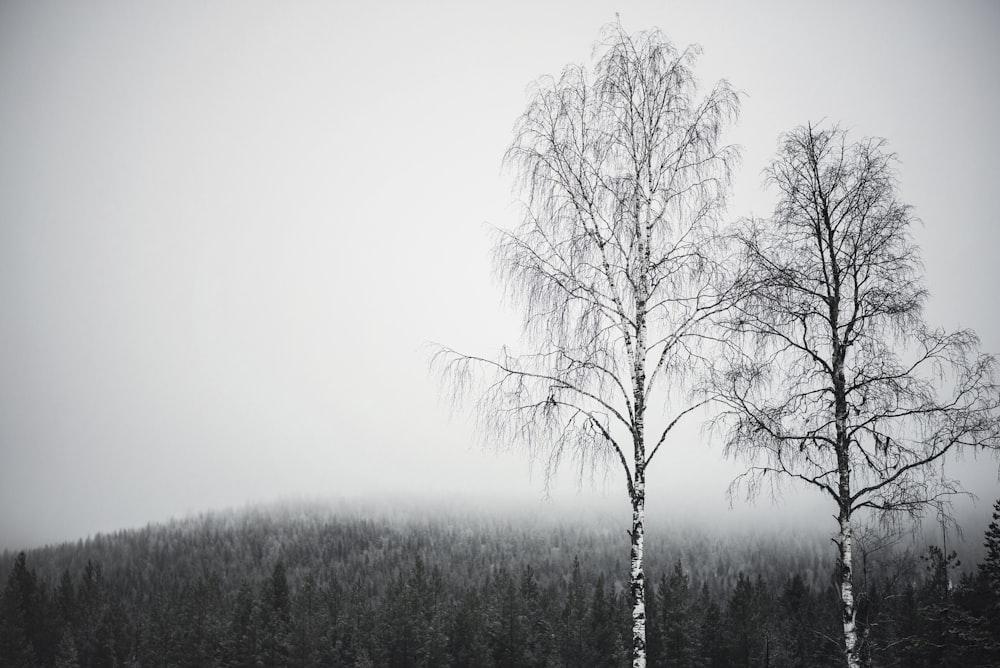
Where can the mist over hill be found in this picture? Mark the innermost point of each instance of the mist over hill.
(467, 534)
(329, 539)
(410, 583)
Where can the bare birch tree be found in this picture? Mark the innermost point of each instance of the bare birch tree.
(839, 382)
(623, 175)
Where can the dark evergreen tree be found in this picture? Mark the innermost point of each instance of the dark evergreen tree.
(539, 649)
(66, 656)
(573, 622)
(397, 625)
(160, 641)
(65, 603)
(743, 627)
(199, 632)
(336, 609)
(679, 626)
(241, 643)
(949, 637)
(276, 612)
(90, 597)
(433, 609)
(712, 645)
(981, 634)
(15, 646)
(468, 646)
(357, 629)
(798, 629)
(508, 624)
(764, 601)
(109, 640)
(310, 626)
(602, 645)
(16, 623)
(990, 568)
(978, 598)
(66, 598)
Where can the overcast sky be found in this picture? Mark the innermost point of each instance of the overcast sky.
(228, 229)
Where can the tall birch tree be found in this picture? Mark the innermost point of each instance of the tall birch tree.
(839, 383)
(623, 174)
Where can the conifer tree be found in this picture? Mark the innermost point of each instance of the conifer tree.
(602, 640)
(432, 639)
(574, 620)
(942, 624)
(90, 597)
(990, 568)
(16, 603)
(799, 629)
(742, 624)
(310, 626)
(538, 631)
(979, 598)
(15, 648)
(240, 647)
(712, 646)
(508, 630)
(66, 656)
(65, 600)
(679, 631)
(467, 643)
(276, 619)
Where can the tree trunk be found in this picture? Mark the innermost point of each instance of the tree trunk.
(843, 463)
(847, 593)
(638, 583)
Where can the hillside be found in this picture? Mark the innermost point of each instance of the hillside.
(404, 585)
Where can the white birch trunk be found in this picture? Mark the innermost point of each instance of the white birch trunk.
(638, 582)
(847, 594)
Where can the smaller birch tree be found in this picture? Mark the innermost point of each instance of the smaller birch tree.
(835, 380)
(623, 175)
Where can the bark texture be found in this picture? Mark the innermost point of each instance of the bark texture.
(848, 612)
(638, 580)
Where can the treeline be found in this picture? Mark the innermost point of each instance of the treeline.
(310, 589)
(346, 540)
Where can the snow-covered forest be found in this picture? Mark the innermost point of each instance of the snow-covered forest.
(317, 586)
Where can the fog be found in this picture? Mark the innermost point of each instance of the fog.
(228, 231)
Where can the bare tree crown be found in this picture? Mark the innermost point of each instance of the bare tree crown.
(832, 330)
(832, 377)
(622, 174)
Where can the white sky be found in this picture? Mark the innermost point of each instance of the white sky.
(228, 229)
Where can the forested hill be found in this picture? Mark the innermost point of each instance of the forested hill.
(313, 585)
(345, 539)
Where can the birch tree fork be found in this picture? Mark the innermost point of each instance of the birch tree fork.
(838, 382)
(623, 175)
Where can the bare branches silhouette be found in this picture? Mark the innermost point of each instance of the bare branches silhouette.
(623, 174)
(833, 378)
